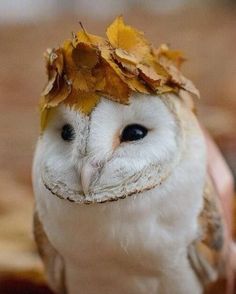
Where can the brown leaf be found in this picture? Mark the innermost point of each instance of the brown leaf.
(79, 62)
(85, 56)
(178, 79)
(60, 91)
(88, 66)
(110, 84)
(54, 66)
(132, 80)
(150, 76)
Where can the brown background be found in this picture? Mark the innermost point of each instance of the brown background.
(207, 36)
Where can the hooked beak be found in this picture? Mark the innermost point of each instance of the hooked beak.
(88, 171)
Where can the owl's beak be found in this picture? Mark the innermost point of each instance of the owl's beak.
(88, 170)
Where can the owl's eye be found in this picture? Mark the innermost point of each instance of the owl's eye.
(133, 132)
(67, 132)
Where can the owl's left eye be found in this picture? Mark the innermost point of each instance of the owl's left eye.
(133, 132)
(67, 132)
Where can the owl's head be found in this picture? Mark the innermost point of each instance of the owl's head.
(117, 151)
(115, 121)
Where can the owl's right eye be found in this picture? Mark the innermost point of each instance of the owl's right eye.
(67, 132)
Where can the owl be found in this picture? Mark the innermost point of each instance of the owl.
(123, 200)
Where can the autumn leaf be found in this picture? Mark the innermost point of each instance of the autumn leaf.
(44, 114)
(126, 62)
(175, 56)
(130, 78)
(151, 77)
(57, 88)
(178, 79)
(82, 101)
(89, 67)
(110, 85)
(58, 94)
(125, 56)
(79, 62)
(84, 37)
(127, 38)
(84, 56)
(54, 66)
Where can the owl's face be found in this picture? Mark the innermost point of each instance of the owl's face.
(116, 152)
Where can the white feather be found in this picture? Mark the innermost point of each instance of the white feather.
(137, 244)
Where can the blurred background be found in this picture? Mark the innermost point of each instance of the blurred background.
(205, 30)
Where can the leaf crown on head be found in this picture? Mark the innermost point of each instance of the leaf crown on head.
(87, 67)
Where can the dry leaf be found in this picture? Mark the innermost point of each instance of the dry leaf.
(127, 38)
(111, 85)
(54, 66)
(174, 55)
(178, 79)
(123, 55)
(88, 66)
(129, 69)
(87, 38)
(79, 62)
(133, 82)
(82, 101)
(85, 56)
(150, 76)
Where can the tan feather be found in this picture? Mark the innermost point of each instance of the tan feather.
(208, 254)
(52, 260)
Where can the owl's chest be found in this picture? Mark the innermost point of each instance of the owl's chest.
(127, 244)
(130, 230)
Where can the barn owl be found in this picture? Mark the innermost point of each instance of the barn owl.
(124, 203)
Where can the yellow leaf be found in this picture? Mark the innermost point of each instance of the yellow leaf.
(132, 81)
(176, 56)
(84, 37)
(45, 114)
(83, 81)
(82, 101)
(111, 85)
(137, 86)
(87, 67)
(125, 56)
(127, 38)
(128, 69)
(165, 89)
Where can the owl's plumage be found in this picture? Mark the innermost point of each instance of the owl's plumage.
(163, 234)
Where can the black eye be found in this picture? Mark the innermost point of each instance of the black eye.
(133, 132)
(67, 132)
